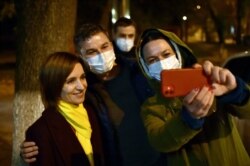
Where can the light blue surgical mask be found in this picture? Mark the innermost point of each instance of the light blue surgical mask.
(102, 62)
(124, 44)
(155, 69)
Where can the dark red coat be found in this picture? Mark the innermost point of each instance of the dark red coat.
(58, 144)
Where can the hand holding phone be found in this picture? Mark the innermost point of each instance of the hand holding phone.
(179, 82)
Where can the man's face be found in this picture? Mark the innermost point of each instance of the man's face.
(97, 52)
(95, 45)
(127, 32)
(124, 38)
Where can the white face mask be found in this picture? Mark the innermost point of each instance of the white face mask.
(124, 44)
(165, 64)
(102, 62)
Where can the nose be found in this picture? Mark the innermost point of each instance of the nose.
(79, 85)
(126, 37)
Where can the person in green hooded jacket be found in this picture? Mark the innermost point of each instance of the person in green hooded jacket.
(197, 129)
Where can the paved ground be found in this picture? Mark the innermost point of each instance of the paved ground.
(212, 52)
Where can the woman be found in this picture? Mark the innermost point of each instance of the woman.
(67, 131)
(197, 129)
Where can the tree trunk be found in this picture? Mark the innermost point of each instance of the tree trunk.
(218, 23)
(44, 26)
(239, 15)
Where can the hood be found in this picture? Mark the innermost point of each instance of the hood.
(182, 51)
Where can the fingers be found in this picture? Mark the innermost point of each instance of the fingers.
(228, 79)
(202, 98)
(207, 66)
(221, 76)
(29, 154)
(204, 106)
(28, 151)
(218, 74)
(198, 106)
(27, 144)
(31, 160)
(196, 65)
(188, 99)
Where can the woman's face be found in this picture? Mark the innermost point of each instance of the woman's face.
(74, 88)
(157, 50)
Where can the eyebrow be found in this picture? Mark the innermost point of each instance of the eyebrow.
(74, 77)
(90, 50)
(94, 49)
(168, 50)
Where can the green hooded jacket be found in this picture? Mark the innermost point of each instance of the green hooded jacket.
(217, 143)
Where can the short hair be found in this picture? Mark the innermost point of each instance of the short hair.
(53, 74)
(85, 32)
(123, 22)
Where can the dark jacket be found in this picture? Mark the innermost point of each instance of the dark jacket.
(131, 55)
(58, 144)
(106, 107)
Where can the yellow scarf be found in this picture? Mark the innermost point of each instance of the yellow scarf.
(77, 117)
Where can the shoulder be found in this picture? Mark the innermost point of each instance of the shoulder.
(40, 122)
(40, 126)
(37, 131)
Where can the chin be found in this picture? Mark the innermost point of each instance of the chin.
(78, 102)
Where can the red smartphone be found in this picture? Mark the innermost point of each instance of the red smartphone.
(179, 82)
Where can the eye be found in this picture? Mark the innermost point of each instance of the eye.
(166, 55)
(152, 60)
(70, 80)
(83, 76)
(105, 46)
(131, 36)
(91, 53)
(122, 35)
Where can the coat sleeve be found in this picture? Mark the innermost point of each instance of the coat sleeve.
(167, 132)
(238, 101)
(39, 133)
(242, 112)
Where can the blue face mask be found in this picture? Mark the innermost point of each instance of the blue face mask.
(102, 62)
(124, 44)
(165, 64)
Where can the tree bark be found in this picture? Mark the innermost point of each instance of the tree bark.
(239, 15)
(44, 26)
(218, 22)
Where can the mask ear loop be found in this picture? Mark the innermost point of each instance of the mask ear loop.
(177, 52)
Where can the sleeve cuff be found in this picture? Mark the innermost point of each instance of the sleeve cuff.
(238, 96)
(193, 123)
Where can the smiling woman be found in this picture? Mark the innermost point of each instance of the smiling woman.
(74, 88)
(64, 127)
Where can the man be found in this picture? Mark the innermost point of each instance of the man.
(124, 35)
(118, 86)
